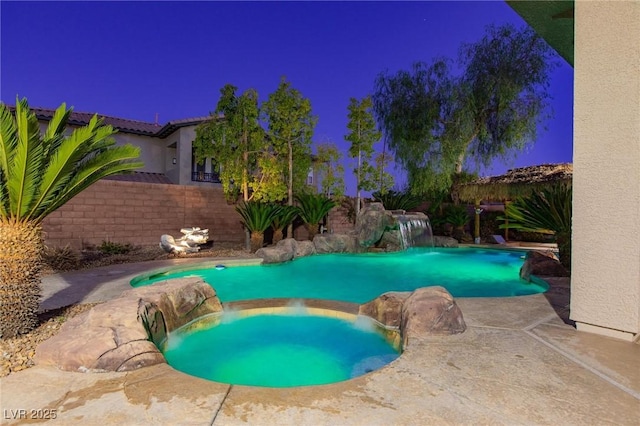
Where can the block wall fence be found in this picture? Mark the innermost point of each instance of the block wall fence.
(139, 213)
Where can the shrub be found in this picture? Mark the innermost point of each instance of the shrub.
(61, 258)
(313, 209)
(109, 247)
(547, 211)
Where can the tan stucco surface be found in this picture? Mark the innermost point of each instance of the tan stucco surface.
(606, 204)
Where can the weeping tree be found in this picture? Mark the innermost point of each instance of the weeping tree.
(548, 211)
(38, 174)
(435, 122)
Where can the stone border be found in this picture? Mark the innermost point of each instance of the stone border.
(123, 334)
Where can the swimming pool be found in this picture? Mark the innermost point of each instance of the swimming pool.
(359, 278)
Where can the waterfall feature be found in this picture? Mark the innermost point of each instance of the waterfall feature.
(415, 231)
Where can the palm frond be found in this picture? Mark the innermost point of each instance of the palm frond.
(115, 160)
(8, 138)
(24, 170)
(286, 215)
(546, 211)
(256, 216)
(314, 207)
(54, 135)
(8, 142)
(71, 154)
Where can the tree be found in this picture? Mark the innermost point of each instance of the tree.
(435, 122)
(38, 174)
(290, 128)
(330, 169)
(384, 179)
(362, 135)
(235, 139)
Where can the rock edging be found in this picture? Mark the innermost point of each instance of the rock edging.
(121, 334)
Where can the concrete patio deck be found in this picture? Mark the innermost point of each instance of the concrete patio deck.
(517, 363)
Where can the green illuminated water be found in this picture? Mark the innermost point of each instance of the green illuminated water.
(280, 350)
(358, 278)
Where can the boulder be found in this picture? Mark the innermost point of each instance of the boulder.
(275, 254)
(386, 308)
(430, 311)
(371, 223)
(391, 240)
(335, 243)
(119, 335)
(305, 248)
(440, 241)
(540, 263)
(288, 244)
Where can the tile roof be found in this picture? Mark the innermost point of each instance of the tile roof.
(121, 124)
(145, 177)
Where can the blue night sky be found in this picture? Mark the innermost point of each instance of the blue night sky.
(136, 59)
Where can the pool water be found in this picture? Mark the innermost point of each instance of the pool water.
(359, 278)
(279, 350)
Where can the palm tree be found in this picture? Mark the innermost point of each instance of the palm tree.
(547, 211)
(257, 217)
(313, 208)
(286, 215)
(38, 174)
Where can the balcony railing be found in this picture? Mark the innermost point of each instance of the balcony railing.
(205, 177)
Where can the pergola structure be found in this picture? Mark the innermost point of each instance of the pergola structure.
(520, 182)
(605, 265)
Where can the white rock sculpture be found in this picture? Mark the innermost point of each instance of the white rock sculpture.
(189, 243)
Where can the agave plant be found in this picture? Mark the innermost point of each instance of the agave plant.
(257, 217)
(397, 200)
(548, 212)
(285, 216)
(38, 174)
(313, 208)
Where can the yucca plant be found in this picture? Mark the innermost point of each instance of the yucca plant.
(548, 212)
(313, 208)
(285, 216)
(38, 174)
(257, 217)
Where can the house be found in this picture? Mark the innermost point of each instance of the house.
(166, 150)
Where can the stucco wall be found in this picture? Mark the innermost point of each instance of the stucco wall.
(605, 285)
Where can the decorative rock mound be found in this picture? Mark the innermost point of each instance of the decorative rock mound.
(335, 243)
(275, 254)
(372, 222)
(386, 308)
(427, 311)
(117, 335)
(286, 250)
(430, 311)
(542, 264)
(440, 241)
